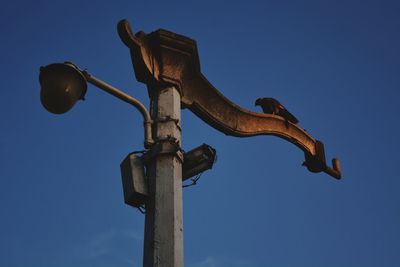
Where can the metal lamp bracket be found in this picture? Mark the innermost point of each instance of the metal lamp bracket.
(165, 146)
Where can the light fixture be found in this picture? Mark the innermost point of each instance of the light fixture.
(198, 160)
(62, 85)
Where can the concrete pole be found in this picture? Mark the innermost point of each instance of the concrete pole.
(163, 242)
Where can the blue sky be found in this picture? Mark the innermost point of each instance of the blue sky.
(333, 64)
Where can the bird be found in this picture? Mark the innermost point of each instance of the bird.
(272, 106)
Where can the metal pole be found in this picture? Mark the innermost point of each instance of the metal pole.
(126, 98)
(163, 242)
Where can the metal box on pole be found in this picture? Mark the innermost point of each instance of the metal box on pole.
(134, 180)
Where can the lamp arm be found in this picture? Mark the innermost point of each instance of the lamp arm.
(128, 99)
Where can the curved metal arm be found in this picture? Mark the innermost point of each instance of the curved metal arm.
(128, 99)
(164, 58)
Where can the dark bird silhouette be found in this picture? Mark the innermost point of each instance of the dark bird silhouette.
(273, 106)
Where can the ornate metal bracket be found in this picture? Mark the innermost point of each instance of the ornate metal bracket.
(164, 58)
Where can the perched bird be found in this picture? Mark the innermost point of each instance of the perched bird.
(272, 106)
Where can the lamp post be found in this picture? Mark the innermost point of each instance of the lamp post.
(169, 65)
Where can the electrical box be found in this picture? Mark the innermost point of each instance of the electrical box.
(134, 180)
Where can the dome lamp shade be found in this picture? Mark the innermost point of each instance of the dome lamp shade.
(62, 85)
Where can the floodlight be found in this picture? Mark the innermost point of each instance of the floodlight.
(198, 160)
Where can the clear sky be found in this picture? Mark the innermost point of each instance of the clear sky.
(333, 64)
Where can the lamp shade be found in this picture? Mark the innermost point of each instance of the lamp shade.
(62, 84)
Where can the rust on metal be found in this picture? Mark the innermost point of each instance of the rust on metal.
(165, 58)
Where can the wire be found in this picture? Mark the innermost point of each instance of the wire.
(139, 152)
(142, 209)
(194, 180)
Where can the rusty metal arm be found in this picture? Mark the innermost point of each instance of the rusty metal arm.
(163, 58)
(212, 107)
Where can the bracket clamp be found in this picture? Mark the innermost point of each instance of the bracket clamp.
(167, 146)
